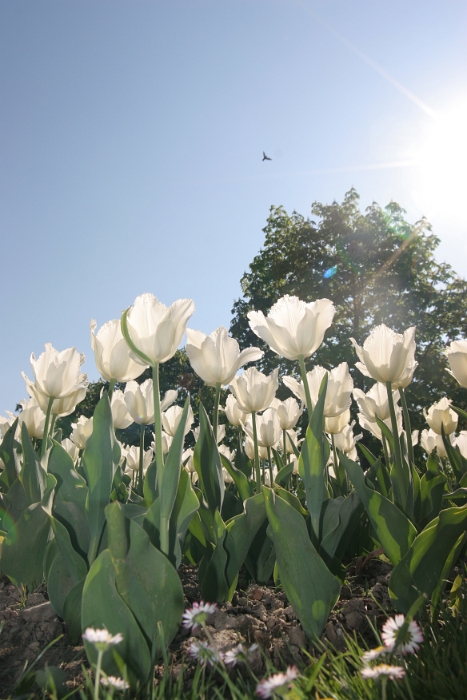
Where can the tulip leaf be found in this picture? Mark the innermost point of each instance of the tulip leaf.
(243, 528)
(312, 463)
(146, 580)
(456, 460)
(308, 584)
(393, 529)
(8, 454)
(421, 568)
(218, 571)
(103, 607)
(340, 518)
(32, 475)
(207, 463)
(25, 543)
(72, 612)
(243, 484)
(169, 476)
(59, 583)
(459, 496)
(432, 488)
(283, 475)
(100, 458)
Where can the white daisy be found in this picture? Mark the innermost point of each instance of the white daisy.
(115, 682)
(204, 653)
(277, 682)
(373, 654)
(101, 638)
(383, 670)
(239, 653)
(410, 641)
(196, 616)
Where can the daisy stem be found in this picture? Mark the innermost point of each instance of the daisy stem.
(100, 654)
(306, 386)
(383, 688)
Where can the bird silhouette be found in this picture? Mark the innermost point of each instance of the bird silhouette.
(265, 157)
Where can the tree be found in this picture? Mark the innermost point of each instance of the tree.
(376, 268)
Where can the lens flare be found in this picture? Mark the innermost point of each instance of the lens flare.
(330, 272)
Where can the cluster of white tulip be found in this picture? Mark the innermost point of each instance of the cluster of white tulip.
(149, 334)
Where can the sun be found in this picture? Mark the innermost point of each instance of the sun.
(441, 172)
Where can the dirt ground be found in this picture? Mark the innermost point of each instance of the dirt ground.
(257, 614)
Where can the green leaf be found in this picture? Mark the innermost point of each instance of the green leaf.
(243, 528)
(32, 475)
(420, 570)
(207, 463)
(100, 458)
(59, 583)
(103, 606)
(341, 517)
(8, 454)
(218, 572)
(312, 463)
(72, 612)
(431, 497)
(393, 529)
(310, 587)
(241, 481)
(25, 543)
(168, 480)
(146, 580)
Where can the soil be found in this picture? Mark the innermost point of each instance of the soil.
(257, 615)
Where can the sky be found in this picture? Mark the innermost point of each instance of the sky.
(132, 133)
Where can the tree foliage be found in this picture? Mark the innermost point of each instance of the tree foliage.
(376, 268)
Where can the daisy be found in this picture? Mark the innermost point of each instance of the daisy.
(195, 616)
(238, 653)
(383, 670)
(277, 682)
(410, 641)
(114, 682)
(374, 653)
(101, 638)
(204, 653)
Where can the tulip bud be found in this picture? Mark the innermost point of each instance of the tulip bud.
(457, 358)
(440, 414)
(388, 356)
(293, 328)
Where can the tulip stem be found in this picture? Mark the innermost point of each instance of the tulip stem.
(215, 416)
(408, 430)
(399, 482)
(164, 529)
(141, 456)
(111, 388)
(270, 467)
(284, 445)
(306, 386)
(255, 443)
(46, 426)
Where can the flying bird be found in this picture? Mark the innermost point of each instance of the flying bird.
(265, 157)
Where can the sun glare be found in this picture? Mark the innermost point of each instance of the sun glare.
(441, 174)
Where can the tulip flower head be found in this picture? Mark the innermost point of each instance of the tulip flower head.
(289, 411)
(457, 358)
(268, 428)
(216, 358)
(293, 328)
(338, 393)
(253, 390)
(139, 400)
(112, 354)
(388, 356)
(156, 330)
(234, 414)
(346, 441)
(33, 417)
(375, 402)
(461, 443)
(120, 415)
(171, 418)
(336, 424)
(441, 415)
(82, 431)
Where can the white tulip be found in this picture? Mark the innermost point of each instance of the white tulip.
(171, 418)
(229, 454)
(291, 437)
(289, 411)
(157, 330)
(346, 441)
(374, 428)
(216, 358)
(336, 424)
(461, 442)
(166, 442)
(71, 448)
(250, 449)
(268, 428)
(120, 415)
(293, 328)
(457, 358)
(338, 392)
(139, 400)
(430, 441)
(112, 354)
(375, 402)
(33, 417)
(220, 433)
(6, 423)
(82, 431)
(57, 374)
(253, 390)
(388, 356)
(440, 414)
(132, 459)
(234, 414)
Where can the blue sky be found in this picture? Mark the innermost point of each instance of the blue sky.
(132, 135)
